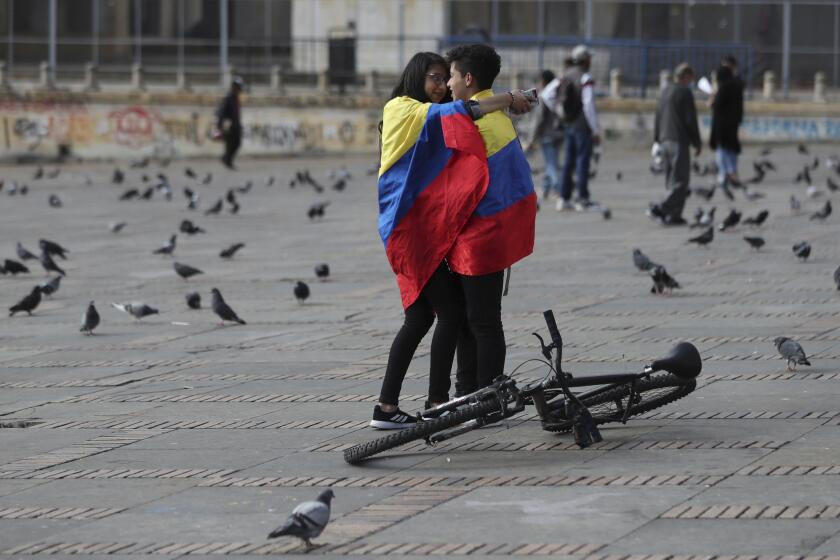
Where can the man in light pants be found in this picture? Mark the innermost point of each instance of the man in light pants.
(675, 129)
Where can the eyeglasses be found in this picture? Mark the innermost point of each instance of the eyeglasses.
(438, 79)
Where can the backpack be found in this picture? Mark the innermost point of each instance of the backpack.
(568, 104)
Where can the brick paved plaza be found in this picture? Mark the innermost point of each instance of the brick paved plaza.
(173, 436)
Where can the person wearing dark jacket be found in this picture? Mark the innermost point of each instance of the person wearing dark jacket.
(547, 131)
(727, 115)
(229, 122)
(675, 129)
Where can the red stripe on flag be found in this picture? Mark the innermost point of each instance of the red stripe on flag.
(493, 243)
(423, 237)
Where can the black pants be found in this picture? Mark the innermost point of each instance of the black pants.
(677, 175)
(232, 142)
(481, 343)
(442, 297)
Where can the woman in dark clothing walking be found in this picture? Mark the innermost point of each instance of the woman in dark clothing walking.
(727, 114)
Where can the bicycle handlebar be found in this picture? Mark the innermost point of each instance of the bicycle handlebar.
(552, 328)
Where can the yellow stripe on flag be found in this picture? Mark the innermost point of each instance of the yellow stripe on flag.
(496, 128)
(402, 120)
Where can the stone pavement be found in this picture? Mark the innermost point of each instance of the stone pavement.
(174, 437)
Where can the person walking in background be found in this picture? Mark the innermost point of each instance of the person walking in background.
(547, 131)
(576, 99)
(229, 121)
(675, 129)
(727, 114)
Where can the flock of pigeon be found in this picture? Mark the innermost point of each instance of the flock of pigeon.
(664, 283)
(157, 185)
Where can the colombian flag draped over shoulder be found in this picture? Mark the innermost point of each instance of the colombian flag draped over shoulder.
(433, 173)
(501, 231)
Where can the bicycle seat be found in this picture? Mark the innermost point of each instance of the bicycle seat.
(683, 361)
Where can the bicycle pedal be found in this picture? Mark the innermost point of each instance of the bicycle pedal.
(585, 430)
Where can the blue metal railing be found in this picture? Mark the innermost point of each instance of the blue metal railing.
(640, 61)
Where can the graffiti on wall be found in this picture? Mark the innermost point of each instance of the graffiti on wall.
(102, 130)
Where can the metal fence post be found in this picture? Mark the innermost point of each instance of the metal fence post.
(223, 40)
(643, 71)
(53, 23)
(786, 15)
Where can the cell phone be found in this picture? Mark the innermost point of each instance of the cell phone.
(530, 94)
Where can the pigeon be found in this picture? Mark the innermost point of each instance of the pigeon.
(234, 209)
(28, 303)
(791, 351)
(606, 213)
(837, 277)
(23, 190)
(813, 192)
(246, 188)
(730, 221)
(167, 248)
(53, 248)
(756, 220)
(54, 201)
(129, 194)
(185, 270)
(322, 271)
(662, 281)
(54, 173)
(704, 238)
(803, 176)
(795, 205)
(14, 268)
(207, 179)
(619, 176)
(832, 186)
(137, 310)
(190, 173)
(116, 227)
(317, 210)
(802, 149)
(23, 254)
(753, 195)
(222, 309)
(230, 196)
(642, 261)
(704, 193)
(50, 287)
(822, 213)
(141, 163)
(39, 173)
(755, 242)
(230, 251)
(269, 181)
(705, 218)
(192, 198)
(90, 319)
(147, 194)
(194, 300)
(802, 250)
(301, 291)
(118, 176)
(190, 228)
(49, 264)
(307, 520)
(339, 185)
(215, 209)
(816, 163)
(308, 178)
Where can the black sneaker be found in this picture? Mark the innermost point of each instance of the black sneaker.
(396, 420)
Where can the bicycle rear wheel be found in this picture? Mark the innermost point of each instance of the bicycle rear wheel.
(609, 404)
(421, 430)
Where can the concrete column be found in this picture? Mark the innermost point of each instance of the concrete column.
(819, 87)
(276, 78)
(370, 81)
(5, 85)
(323, 81)
(786, 30)
(91, 80)
(223, 42)
(664, 79)
(227, 76)
(182, 83)
(615, 83)
(53, 40)
(45, 77)
(769, 90)
(138, 82)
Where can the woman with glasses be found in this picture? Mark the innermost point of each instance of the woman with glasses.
(432, 174)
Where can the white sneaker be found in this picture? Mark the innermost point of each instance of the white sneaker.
(564, 205)
(587, 206)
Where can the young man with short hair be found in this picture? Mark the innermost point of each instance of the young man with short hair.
(501, 230)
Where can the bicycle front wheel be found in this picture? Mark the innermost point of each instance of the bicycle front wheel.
(421, 430)
(610, 404)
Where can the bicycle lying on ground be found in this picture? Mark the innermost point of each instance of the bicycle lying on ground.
(616, 398)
